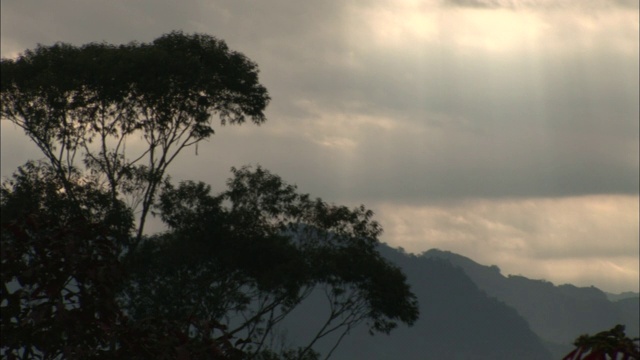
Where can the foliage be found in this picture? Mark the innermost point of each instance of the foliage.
(91, 101)
(605, 345)
(246, 257)
(61, 273)
(60, 258)
(80, 278)
(256, 251)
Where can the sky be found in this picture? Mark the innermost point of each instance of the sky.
(503, 130)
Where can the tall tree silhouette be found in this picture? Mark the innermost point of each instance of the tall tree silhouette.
(81, 279)
(85, 104)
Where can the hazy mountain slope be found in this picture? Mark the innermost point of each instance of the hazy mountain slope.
(630, 309)
(457, 321)
(558, 314)
(622, 296)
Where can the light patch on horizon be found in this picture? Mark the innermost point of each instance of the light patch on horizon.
(538, 234)
(614, 275)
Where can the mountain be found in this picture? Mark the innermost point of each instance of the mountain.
(457, 321)
(630, 310)
(622, 296)
(558, 314)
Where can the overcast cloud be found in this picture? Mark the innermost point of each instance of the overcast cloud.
(504, 130)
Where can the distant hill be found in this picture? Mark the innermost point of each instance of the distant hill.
(558, 314)
(622, 296)
(457, 321)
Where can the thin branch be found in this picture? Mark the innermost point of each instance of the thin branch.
(335, 346)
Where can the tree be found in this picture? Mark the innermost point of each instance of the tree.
(59, 266)
(80, 276)
(256, 251)
(61, 274)
(84, 107)
(232, 267)
(605, 345)
(95, 101)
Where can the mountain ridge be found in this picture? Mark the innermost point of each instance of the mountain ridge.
(472, 311)
(556, 313)
(457, 321)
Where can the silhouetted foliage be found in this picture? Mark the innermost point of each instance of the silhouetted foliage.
(245, 258)
(61, 273)
(82, 281)
(610, 344)
(256, 251)
(86, 102)
(62, 257)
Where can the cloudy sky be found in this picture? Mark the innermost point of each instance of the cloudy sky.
(503, 130)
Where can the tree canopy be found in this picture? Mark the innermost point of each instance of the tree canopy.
(91, 103)
(80, 277)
